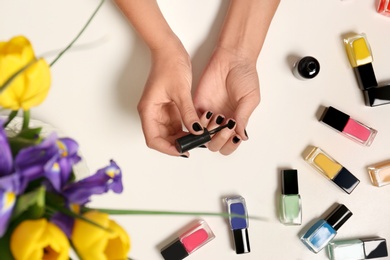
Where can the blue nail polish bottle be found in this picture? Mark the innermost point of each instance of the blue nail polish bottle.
(324, 230)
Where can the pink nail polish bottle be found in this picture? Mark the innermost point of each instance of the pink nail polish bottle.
(348, 126)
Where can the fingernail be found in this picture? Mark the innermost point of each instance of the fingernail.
(184, 156)
(231, 124)
(246, 134)
(209, 114)
(219, 120)
(197, 127)
(202, 146)
(236, 140)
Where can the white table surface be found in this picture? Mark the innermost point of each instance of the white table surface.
(97, 85)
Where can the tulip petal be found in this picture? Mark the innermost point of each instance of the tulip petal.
(86, 236)
(119, 246)
(40, 235)
(29, 230)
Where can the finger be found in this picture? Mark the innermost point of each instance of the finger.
(219, 139)
(216, 121)
(231, 145)
(205, 118)
(152, 128)
(188, 114)
(243, 112)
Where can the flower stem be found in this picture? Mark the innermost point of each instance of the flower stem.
(159, 212)
(26, 119)
(78, 35)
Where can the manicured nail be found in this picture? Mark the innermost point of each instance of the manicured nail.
(197, 127)
(246, 134)
(236, 140)
(231, 124)
(202, 146)
(209, 114)
(184, 156)
(219, 120)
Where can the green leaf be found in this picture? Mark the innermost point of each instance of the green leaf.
(5, 251)
(160, 212)
(31, 204)
(78, 35)
(11, 116)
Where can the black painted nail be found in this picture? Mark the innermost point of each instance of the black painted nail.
(209, 114)
(231, 124)
(197, 127)
(219, 120)
(202, 146)
(236, 140)
(246, 134)
(184, 156)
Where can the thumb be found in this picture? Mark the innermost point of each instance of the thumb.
(188, 113)
(243, 112)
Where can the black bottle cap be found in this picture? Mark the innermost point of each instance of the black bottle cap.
(191, 141)
(377, 96)
(241, 241)
(335, 118)
(365, 76)
(374, 247)
(338, 216)
(174, 251)
(346, 180)
(308, 67)
(290, 182)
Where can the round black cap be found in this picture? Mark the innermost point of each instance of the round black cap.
(308, 67)
(191, 141)
(338, 216)
(241, 241)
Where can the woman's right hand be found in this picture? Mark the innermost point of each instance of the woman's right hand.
(166, 103)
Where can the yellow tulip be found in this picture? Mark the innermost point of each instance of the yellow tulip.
(31, 86)
(94, 243)
(37, 240)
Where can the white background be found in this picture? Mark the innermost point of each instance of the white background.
(97, 85)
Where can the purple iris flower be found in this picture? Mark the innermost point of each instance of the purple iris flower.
(53, 158)
(105, 179)
(79, 193)
(5, 153)
(10, 186)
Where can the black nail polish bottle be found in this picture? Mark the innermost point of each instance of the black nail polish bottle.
(306, 68)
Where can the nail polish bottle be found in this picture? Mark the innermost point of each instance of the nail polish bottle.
(384, 7)
(290, 201)
(360, 56)
(380, 173)
(239, 225)
(357, 249)
(348, 126)
(194, 238)
(331, 169)
(306, 68)
(324, 230)
(191, 141)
